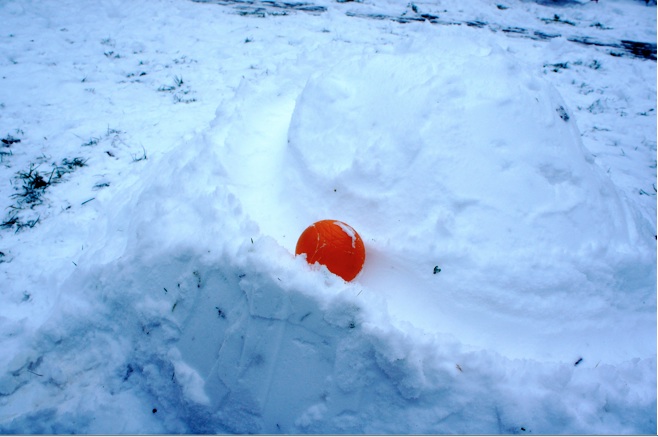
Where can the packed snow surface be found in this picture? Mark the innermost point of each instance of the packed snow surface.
(160, 160)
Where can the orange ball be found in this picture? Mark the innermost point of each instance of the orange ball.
(334, 244)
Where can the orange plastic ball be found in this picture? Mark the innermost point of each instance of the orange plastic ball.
(334, 244)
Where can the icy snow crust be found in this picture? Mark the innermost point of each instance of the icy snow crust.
(185, 311)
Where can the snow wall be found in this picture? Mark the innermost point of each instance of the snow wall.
(457, 158)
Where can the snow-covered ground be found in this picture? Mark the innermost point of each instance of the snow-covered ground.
(160, 159)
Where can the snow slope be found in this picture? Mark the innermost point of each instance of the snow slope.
(153, 288)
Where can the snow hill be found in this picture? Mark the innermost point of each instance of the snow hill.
(160, 160)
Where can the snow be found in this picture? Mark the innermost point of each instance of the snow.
(348, 230)
(154, 287)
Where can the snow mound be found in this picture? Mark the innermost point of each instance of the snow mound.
(467, 150)
(458, 156)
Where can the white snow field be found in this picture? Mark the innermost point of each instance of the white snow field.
(160, 159)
